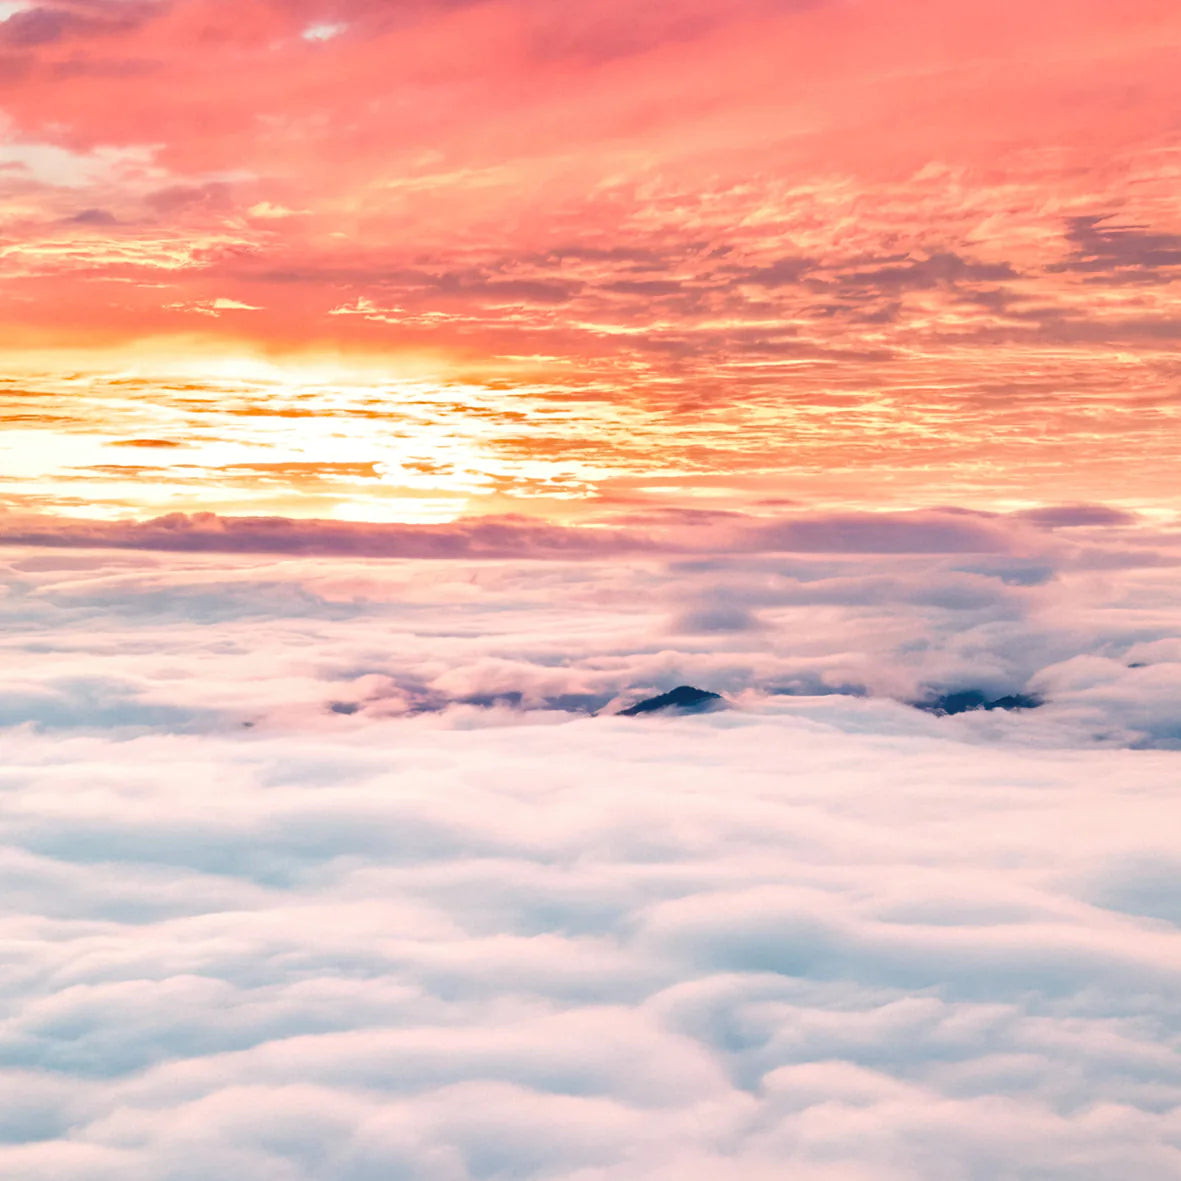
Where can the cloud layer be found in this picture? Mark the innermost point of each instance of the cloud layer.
(319, 869)
(616, 948)
(245, 624)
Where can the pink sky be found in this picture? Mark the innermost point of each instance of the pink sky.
(416, 261)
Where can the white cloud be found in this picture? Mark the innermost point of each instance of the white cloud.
(269, 211)
(602, 949)
(324, 31)
(213, 307)
(821, 936)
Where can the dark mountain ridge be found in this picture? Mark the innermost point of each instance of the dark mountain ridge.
(684, 699)
(964, 700)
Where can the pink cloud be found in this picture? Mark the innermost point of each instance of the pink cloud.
(930, 532)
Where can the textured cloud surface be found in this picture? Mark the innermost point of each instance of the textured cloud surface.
(241, 627)
(322, 871)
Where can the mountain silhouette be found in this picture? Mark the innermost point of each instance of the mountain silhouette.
(964, 700)
(685, 699)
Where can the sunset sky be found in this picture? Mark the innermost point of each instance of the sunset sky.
(413, 262)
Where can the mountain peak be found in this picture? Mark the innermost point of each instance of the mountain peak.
(686, 699)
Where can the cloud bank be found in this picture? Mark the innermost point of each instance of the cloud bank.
(279, 622)
(320, 869)
(945, 530)
(723, 946)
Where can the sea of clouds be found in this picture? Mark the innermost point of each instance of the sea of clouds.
(331, 869)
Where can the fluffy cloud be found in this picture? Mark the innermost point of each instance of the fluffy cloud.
(1082, 616)
(719, 946)
(462, 930)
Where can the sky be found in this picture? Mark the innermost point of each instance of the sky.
(394, 392)
(436, 259)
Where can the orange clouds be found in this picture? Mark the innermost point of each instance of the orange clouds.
(858, 239)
